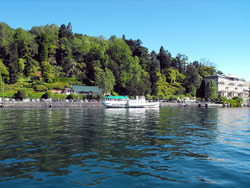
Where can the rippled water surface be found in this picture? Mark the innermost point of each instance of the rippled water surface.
(96, 147)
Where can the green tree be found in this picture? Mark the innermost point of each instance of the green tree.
(40, 88)
(69, 31)
(154, 68)
(124, 66)
(192, 90)
(47, 95)
(64, 57)
(3, 72)
(206, 70)
(21, 94)
(211, 90)
(65, 31)
(173, 76)
(163, 87)
(181, 60)
(21, 64)
(105, 80)
(52, 32)
(3, 69)
(25, 43)
(46, 70)
(12, 63)
(62, 31)
(164, 58)
(29, 67)
(144, 86)
(142, 53)
(6, 38)
(192, 78)
(43, 47)
(201, 90)
(94, 60)
(114, 67)
(131, 76)
(71, 96)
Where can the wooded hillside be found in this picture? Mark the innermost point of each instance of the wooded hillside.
(51, 56)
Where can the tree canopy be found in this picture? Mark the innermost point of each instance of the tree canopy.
(124, 66)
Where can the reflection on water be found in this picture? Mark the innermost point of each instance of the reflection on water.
(173, 147)
(234, 124)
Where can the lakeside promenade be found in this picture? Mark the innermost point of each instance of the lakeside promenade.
(63, 104)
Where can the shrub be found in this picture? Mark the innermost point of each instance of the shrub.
(34, 95)
(223, 99)
(71, 96)
(148, 96)
(173, 98)
(47, 95)
(56, 85)
(27, 85)
(40, 88)
(60, 85)
(49, 85)
(21, 94)
(235, 102)
(37, 82)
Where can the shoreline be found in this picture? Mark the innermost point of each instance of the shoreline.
(51, 104)
(48, 104)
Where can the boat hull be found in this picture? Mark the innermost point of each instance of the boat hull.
(128, 105)
(145, 105)
(125, 102)
(114, 104)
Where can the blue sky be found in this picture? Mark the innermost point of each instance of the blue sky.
(218, 30)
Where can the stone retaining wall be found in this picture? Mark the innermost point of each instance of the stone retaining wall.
(91, 104)
(49, 104)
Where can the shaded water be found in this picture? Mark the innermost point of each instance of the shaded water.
(96, 147)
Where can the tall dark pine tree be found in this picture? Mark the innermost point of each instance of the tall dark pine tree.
(13, 64)
(43, 47)
(69, 31)
(181, 61)
(201, 90)
(211, 90)
(65, 31)
(164, 59)
(196, 64)
(143, 55)
(154, 67)
(62, 31)
(43, 52)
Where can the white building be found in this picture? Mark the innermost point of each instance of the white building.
(230, 86)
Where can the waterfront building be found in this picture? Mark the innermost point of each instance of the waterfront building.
(86, 90)
(230, 86)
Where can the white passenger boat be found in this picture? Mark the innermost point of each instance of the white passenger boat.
(115, 101)
(125, 102)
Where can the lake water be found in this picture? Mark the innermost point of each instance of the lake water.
(97, 147)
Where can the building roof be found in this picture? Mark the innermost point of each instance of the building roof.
(87, 89)
(225, 76)
(116, 97)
